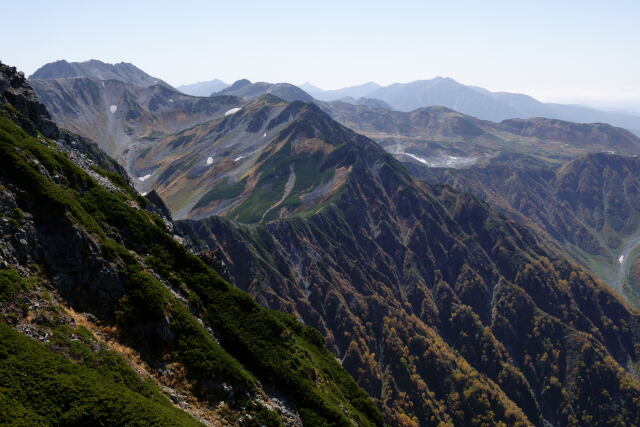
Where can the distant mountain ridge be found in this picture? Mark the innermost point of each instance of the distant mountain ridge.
(478, 102)
(439, 136)
(203, 88)
(246, 89)
(123, 71)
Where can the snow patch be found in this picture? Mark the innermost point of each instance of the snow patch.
(113, 108)
(232, 111)
(621, 259)
(143, 194)
(144, 178)
(170, 99)
(444, 161)
(209, 160)
(264, 135)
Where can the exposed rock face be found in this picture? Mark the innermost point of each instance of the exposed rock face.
(14, 88)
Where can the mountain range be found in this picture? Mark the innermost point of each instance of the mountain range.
(443, 308)
(477, 102)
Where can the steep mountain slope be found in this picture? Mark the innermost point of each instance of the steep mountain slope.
(203, 88)
(120, 116)
(589, 206)
(268, 160)
(123, 71)
(438, 136)
(120, 314)
(443, 309)
(247, 90)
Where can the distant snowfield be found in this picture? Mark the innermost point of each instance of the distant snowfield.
(144, 178)
(113, 108)
(445, 161)
(232, 111)
(209, 160)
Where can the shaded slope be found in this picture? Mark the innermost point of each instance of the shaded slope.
(588, 207)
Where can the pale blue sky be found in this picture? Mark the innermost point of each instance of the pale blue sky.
(555, 50)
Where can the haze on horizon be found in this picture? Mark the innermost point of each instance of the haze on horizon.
(573, 51)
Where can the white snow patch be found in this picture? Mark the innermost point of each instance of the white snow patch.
(232, 111)
(621, 259)
(143, 194)
(239, 158)
(264, 135)
(144, 178)
(113, 108)
(209, 160)
(170, 99)
(445, 161)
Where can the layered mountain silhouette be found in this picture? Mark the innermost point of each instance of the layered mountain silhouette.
(355, 92)
(203, 88)
(477, 102)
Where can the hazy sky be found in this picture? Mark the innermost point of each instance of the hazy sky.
(562, 50)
